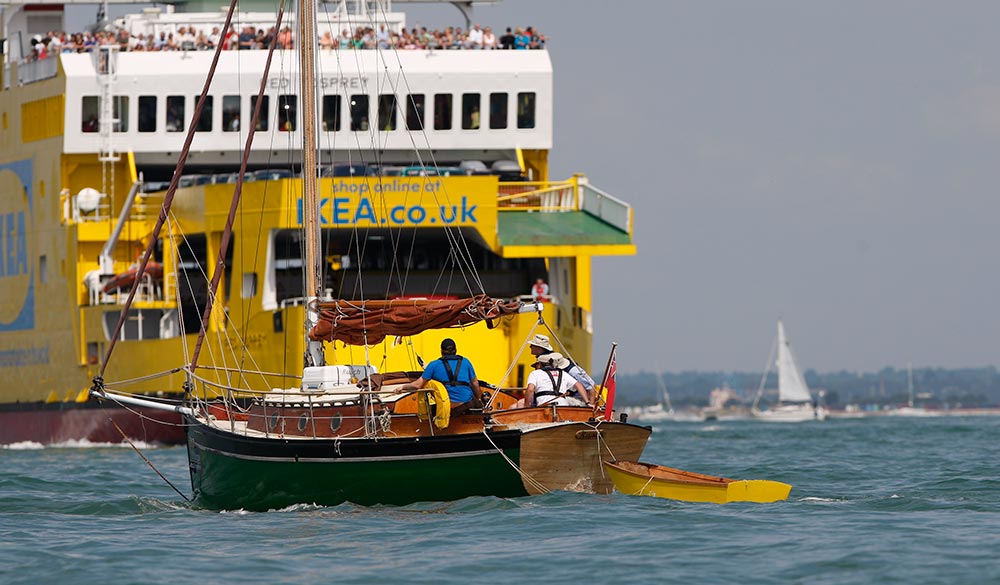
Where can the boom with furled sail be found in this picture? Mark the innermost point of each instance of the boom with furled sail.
(369, 322)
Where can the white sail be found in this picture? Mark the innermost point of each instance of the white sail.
(791, 385)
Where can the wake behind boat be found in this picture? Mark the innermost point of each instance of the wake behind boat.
(795, 402)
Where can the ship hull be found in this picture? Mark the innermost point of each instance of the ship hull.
(236, 471)
(63, 422)
(791, 413)
(232, 471)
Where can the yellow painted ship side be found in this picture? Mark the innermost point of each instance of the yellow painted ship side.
(55, 329)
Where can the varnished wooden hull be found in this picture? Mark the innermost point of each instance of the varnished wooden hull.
(570, 456)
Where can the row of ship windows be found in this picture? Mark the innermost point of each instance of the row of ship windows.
(332, 119)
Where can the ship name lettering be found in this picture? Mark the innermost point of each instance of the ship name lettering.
(287, 83)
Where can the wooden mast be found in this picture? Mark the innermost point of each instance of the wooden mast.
(310, 205)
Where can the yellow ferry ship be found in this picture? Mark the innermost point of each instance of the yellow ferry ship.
(88, 143)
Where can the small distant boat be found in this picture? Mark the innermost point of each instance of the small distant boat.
(645, 479)
(795, 402)
(724, 404)
(911, 409)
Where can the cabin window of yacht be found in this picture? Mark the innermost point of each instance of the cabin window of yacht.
(470, 111)
(147, 113)
(262, 120)
(43, 269)
(442, 111)
(287, 112)
(89, 114)
(526, 110)
(331, 113)
(359, 112)
(415, 112)
(498, 111)
(230, 113)
(175, 113)
(205, 120)
(387, 112)
(119, 110)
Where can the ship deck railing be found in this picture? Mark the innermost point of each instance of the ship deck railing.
(576, 194)
(32, 71)
(146, 208)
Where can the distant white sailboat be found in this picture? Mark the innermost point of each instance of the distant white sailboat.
(662, 410)
(795, 402)
(910, 409)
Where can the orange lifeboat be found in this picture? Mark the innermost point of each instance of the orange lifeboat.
(126, 279)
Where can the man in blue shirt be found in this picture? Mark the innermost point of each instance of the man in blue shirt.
(457, 375)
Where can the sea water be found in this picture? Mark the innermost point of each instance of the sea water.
(889, 500)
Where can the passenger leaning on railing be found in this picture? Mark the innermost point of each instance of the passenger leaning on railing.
(192, 38)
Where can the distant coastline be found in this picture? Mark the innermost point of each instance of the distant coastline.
(936, 389)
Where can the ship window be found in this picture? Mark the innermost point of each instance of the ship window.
(175, 113)
(147, 113)
(205, 120)
(119, 109)
(43, 274)
(262, 120)
(331, 113)
(415, 112)
(442, 111)
(89, 114)
(141, 324)
(470, 111)
(249, 288)
(359, 112)
(386, 112)
(230, 113)
(526, 110)
(430, 257)
(498, 111)
(287, 109)
(93, 351)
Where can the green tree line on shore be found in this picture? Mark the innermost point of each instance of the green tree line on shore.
(932, 387)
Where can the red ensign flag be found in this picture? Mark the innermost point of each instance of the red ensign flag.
(610, 387)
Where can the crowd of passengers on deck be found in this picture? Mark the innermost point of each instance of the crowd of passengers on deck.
(249, 38)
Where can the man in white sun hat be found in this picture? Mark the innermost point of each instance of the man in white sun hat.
(540, 345)
(550, 384)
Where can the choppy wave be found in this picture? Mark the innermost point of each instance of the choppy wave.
(902, 500)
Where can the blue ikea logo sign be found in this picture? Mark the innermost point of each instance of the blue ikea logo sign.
(17, 278)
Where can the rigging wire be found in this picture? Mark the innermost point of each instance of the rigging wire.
(168, 199)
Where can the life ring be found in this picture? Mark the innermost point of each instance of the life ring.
(126, 279)
(435, 394)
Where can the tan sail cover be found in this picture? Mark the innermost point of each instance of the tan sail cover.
(361, 322)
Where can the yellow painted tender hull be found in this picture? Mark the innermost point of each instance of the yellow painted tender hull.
(643, 479)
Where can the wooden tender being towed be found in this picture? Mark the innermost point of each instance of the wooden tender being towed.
(645, 479)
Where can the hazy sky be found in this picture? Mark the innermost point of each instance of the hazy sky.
(836, 164)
